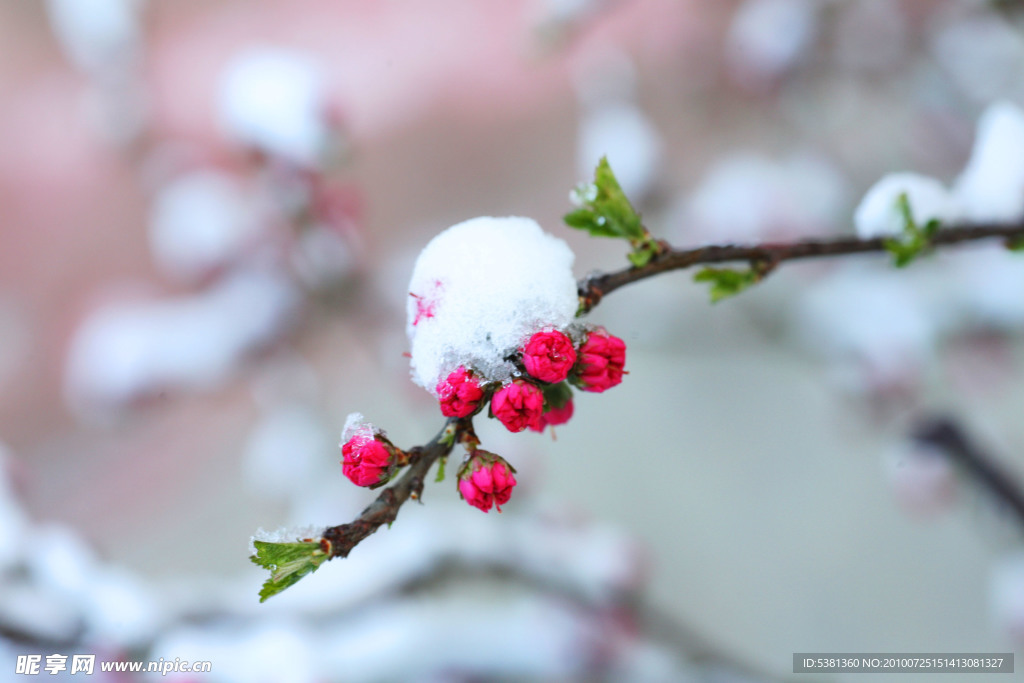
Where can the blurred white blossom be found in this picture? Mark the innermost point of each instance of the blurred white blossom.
(202, 221)
(991, 187)
(128, 351)
(767, 38)
(746, 198)
(879, 214)
(97, 35)
(982, 53)
(871, 325)
(273, 99)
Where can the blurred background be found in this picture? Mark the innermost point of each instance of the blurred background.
(209, 213)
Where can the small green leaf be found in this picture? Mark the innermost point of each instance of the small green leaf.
(903, 206)
(611, 203)
(642, 255)
(440, 469)
(914, 239)
(605, 211)
(287, 562)
(1015, 243)
(593, 222)
(557, 395)
(726, 282)
(903, 253)
(582, 219)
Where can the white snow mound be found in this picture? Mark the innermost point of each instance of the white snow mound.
(991, 188)
(879, 216)
(479, 290)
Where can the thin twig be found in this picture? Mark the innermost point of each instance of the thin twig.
(338, 541)
(596, 287)
(949, 437)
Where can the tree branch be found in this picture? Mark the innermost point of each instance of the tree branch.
(766, 256)
(338, 541)
(947, 436)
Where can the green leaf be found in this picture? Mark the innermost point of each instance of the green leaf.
(287, 562)
(903, 253)
(1015, 243)
(903, 206)
(557, 395)
(726, 282)
(582, 219)
(440, 468)
(605, 211)
(642, 255)
(914, 239)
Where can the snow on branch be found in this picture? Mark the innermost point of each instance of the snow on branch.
(491, 322)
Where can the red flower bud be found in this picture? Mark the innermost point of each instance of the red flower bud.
(460, 394)
(486, 480)
(554, 416)
(518, 405)
(366, 459)
(601, 359)
(549, 356)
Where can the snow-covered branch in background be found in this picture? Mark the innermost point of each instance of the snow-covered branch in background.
(105, 41)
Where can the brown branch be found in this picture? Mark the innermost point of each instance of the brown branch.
(338, 541)
(950, 438)
(592, 289)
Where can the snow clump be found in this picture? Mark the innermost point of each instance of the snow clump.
(991, 187)
(879, 215)
(479, 290)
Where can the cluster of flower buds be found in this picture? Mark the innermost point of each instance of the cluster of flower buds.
(541, 395)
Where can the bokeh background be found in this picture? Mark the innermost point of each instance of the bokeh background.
(209, 212)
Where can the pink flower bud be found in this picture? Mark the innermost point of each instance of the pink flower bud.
(601, 359)
(518, 405)
(460, 394)
(367, 460)
(549, 356)
(486, 480)
(554, 416)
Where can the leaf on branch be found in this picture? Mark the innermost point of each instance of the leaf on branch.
(287, 562)
(1015, 243)
(642, 255)
(441, 462)
(915, 239)
(726, 282)
(605, 211)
